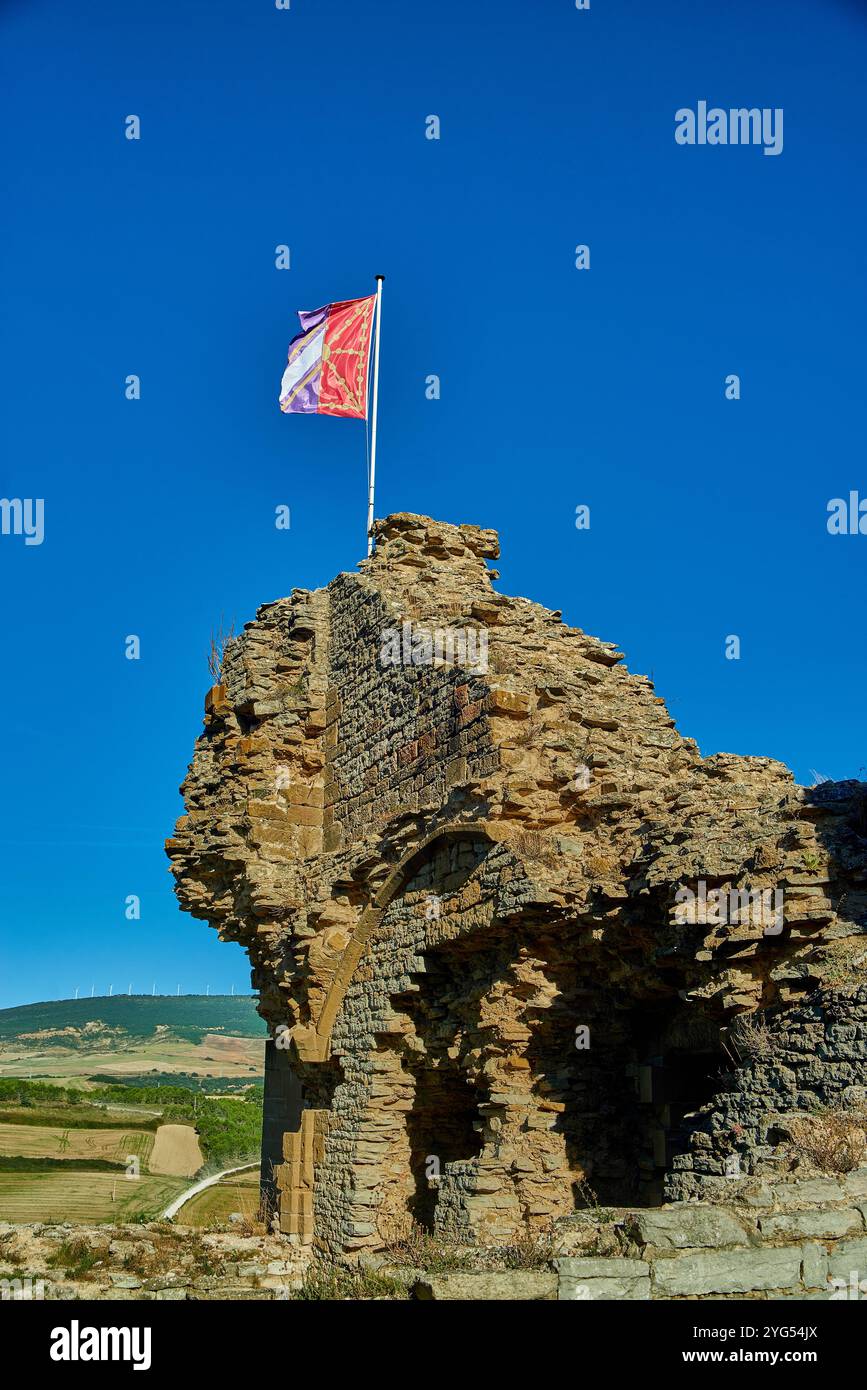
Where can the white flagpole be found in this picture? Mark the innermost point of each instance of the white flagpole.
(372, 479)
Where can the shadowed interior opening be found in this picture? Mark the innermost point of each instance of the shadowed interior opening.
(442, 1127)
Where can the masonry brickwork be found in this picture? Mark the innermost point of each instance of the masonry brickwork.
(460, 887)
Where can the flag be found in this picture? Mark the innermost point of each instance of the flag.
(328, 361)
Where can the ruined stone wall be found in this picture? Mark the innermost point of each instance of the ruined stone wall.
(806, 1060)
(395, 742)
(443, 872)
(803, 1239)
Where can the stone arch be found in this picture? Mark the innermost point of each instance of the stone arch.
(311, 1174)
(405, 1076)
(316, 1046)
(456, 1040)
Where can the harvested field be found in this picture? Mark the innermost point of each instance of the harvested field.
(83, 1197)
(176, 1151)
(43, 1141)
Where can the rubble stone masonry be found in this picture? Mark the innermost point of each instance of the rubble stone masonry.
(459, 890)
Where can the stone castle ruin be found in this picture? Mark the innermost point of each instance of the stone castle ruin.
(520, 947)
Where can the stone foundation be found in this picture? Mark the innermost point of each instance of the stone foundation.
(802, 1238)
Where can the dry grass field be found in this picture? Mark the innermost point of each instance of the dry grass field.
(45, 1141)
(176, 1151)
(240, 1193)
(84, 1197)
(167, 1160)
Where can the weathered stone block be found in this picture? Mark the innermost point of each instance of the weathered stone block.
(814, 1266)
(848, 1256)
(590, 1290)
(809, 1192)
(512, 702)
(735, 1271)
(856, 1183)
(585, 1278)
(828, 1224)
(601, 1267)
(686, 1227)
(512, 1284)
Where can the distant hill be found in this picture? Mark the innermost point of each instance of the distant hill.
(77, 1023)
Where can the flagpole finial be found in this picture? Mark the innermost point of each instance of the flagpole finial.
(379, 277)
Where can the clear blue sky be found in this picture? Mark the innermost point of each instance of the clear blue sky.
(559, 387)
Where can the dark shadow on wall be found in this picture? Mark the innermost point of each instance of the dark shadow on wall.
(443, 1123)
(624, 1105)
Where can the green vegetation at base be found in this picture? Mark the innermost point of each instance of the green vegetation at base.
(74, 1257)
(340, 1285)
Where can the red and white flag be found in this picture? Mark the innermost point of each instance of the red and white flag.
(329, 360)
